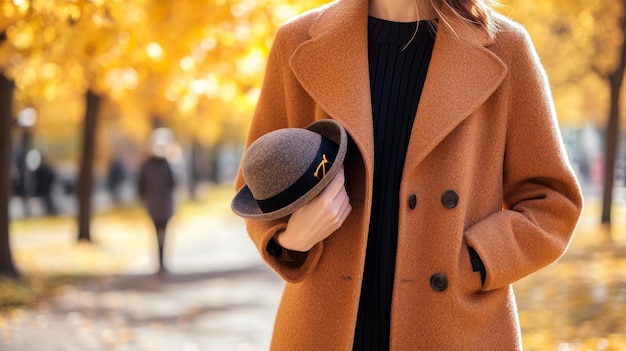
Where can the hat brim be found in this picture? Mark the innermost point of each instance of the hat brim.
(244, 204)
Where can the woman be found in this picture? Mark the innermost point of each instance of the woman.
(457, 180)
(156, 186)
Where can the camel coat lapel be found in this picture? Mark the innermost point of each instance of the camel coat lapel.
(338, 49)
(462, 75)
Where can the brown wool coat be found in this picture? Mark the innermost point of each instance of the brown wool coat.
(485, 128)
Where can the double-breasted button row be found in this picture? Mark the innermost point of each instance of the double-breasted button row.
(449, 199)
(412, 201)
(439, 282)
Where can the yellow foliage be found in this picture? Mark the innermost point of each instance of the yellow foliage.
(167, 58)
(578, 44)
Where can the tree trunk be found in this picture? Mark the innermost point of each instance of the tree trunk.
(610, 151)
(7, 267)
(85, 178)
(615, 80)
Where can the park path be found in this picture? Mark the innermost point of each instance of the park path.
(218, 294)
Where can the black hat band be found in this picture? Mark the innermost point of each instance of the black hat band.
(325, 156)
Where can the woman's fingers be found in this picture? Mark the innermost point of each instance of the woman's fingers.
(326, 198)
(319, 218)
(344, 211)
(335, 185)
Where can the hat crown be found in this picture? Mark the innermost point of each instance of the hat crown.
(278, 159)
(287, 167)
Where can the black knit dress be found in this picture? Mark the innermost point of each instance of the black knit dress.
(396, 80)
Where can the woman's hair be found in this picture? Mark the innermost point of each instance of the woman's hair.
(476, 12)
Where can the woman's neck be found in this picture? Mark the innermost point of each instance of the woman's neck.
(402, 10)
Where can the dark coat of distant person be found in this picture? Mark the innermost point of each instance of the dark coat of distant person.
(156, 185)
(44, 177)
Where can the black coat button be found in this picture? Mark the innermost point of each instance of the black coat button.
(438, 282)
(449, 198)
(412, 201)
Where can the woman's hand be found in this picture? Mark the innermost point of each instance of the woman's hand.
(317, 219)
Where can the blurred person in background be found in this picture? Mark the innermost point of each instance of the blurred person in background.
(115, 177)
(45, 177)
(156, 189)
(450, 202)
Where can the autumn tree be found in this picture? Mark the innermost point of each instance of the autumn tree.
(582, 47)
(614, 76)
(7, 266)
(197, 65)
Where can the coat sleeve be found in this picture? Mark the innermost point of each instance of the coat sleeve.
(542, 201)
(273, 111)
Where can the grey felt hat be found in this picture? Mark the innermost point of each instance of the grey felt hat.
(286, 168)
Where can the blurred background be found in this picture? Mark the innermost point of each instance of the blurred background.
(88, 87)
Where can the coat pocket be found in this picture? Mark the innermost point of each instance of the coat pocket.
(470, 279)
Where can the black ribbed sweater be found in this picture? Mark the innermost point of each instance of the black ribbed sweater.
(396, 80)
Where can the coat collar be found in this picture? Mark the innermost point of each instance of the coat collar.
(333, 68)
